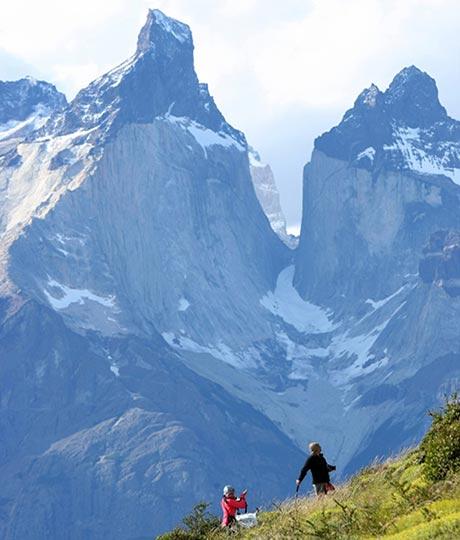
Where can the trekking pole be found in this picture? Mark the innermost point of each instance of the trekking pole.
(297, 490)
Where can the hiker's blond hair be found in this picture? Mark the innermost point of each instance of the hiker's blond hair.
(315, 447)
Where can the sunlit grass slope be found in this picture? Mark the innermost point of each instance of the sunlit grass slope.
(414, 496)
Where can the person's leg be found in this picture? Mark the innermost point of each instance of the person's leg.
(320, 489)
(232, 524)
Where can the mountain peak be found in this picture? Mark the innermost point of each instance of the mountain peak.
(369, 97)
(158, 80)
(408, 74)
(19, 99)
(413, 98)
(163, 32)
(405, 127)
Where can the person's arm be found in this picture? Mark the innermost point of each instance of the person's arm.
(243, 498)
(303, 472)
(237, 504)
(330, 468)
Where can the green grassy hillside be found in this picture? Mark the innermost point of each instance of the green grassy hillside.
(414, 496)
(391, 500)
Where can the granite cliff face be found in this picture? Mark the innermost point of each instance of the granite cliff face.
(269, 197)
(193, 241)
(385, 177)
(381, 194)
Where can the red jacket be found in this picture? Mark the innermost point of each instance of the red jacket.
(229, 508)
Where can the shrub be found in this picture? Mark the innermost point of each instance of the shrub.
(199, 524)
(441, 445)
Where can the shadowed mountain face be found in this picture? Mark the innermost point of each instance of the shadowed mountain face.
(441, 263)
(87, 454)
(158, 340)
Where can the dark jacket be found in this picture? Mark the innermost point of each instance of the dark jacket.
(317, 464)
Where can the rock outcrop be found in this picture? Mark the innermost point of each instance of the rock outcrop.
(441, 262)
(269, 197)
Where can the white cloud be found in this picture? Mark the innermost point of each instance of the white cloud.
(75, 76)
(31, 28)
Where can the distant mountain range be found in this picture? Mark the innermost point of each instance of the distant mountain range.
(160, 333)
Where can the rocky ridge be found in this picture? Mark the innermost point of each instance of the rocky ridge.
(268, 196)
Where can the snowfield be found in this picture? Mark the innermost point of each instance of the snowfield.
(286, 303)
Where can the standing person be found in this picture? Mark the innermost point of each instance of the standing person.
(230, 504)
(320, 469)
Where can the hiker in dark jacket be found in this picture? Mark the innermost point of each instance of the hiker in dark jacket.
(320, 469)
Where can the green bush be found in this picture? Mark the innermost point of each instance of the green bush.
(441, 445)
(199, 524)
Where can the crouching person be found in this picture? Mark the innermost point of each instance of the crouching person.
(230, 505)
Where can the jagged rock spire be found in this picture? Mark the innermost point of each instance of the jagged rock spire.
(413, 97)
(370, 132)
(158, 79)
(160, 31)
(369, 97)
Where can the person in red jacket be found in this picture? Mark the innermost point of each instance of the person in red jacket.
(230, 504)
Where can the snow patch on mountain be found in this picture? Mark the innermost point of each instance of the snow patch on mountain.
(240, 360)
(204, 136)
(300, 357)
(255, 161)
(48, 168)
(368, 153)
(411, 143)
(15, 128)
(377, 304)
(184, 304)
(359, 348)
(286, 303)
(114, 77)
(62, 296)
(115, 370)
(113, 366)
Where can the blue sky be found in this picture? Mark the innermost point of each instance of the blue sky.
(283, 72)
